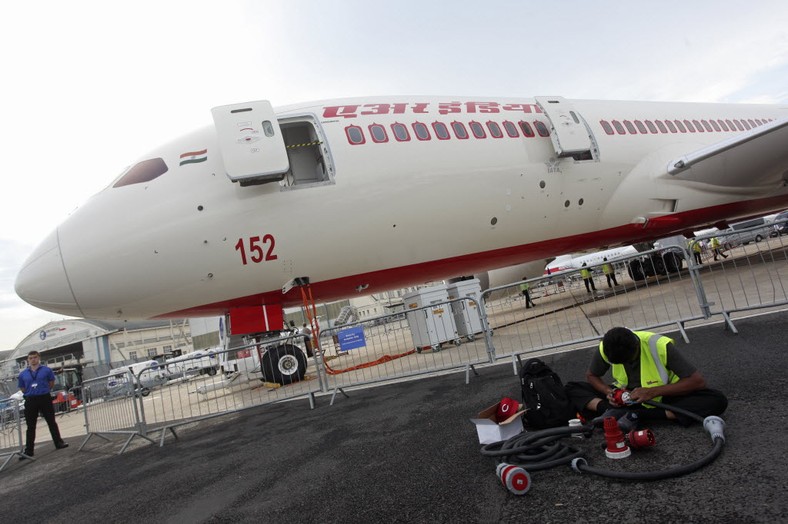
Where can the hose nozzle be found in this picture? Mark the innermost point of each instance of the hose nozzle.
(715, 426)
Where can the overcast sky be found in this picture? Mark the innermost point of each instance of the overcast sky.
(87, 87)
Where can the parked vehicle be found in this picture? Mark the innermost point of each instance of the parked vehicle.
(196, 363)
(144, 376)
(742, 233)
(780, 226)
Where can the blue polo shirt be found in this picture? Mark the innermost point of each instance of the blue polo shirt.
(34, 383)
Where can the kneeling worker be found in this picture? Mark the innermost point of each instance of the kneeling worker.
(651, 368)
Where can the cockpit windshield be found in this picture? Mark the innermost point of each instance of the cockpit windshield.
(144, 171)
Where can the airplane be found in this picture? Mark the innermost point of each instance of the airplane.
(566, 262)
(363, 195)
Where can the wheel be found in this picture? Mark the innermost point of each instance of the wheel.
(673, 262)
(211, 371)
(471, 338)
(457, 341)
(145, 392)
(284, 364)
(635, 270)
(658, 265)
(758, 238)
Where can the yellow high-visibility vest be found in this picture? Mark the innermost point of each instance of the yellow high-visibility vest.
(653, 363)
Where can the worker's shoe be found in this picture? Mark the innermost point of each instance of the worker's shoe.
(61, 445)
(629, 421)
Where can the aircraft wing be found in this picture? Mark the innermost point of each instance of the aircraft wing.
(757, 158)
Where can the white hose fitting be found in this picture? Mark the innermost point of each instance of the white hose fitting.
(575, 464)
(715, 426)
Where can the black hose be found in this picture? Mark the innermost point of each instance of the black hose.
(582, 466)
(675, 409)
(718, 442)
(537, 450)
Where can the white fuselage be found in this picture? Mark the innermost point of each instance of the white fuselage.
(378, 215)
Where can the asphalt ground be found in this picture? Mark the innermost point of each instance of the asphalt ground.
(407, 452)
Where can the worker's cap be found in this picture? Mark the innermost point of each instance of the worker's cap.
(506, 408)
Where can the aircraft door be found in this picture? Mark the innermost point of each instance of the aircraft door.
(251, 142)
(570, 135)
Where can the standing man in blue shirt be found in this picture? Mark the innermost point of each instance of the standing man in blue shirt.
(35, 382)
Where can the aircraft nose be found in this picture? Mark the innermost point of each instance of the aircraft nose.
(43, 282)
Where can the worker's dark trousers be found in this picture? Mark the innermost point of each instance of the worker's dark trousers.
(704, 403)
(34, 405)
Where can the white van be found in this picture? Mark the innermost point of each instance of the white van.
(745, 232)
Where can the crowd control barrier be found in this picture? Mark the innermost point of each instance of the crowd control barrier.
(444, 335)
(647, 291)
(749, 270)
(157, 399)
(11, 443)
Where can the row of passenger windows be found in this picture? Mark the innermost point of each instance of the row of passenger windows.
(679, 126)
(421, 131)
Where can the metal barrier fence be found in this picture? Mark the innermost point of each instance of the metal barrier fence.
(159, 398)
(748, 271)
(448, 334)
(570, 311)
(11, 443)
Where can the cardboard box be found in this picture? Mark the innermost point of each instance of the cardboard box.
(490, 431)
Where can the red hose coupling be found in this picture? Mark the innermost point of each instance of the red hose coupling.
(515, 478)
(616, 445)
(641, 439)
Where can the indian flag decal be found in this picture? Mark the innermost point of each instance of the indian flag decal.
(194, 157)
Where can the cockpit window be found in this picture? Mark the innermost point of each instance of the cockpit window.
(144, 171)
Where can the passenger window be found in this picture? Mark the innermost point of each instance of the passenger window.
(355, 135)
(477, 130)
(422, 133)
(511, 129)
(541, 128)
(459, 130)
(441, 131)
(495, 129)
(527, 129)
(606, 127)
(400, 132)
(378, 133)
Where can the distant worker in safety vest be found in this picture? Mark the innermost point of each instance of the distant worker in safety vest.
(715, 246)
(696, 250)
(610, 274)
(524, 289)
(587, 278)
(650, 367)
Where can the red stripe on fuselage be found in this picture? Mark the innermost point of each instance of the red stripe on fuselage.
(401, 277)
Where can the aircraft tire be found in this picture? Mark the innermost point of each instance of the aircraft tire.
(285, 364)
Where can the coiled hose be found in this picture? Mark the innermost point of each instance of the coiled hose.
(540, 450)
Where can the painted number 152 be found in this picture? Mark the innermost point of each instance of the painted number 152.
(260, 249)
